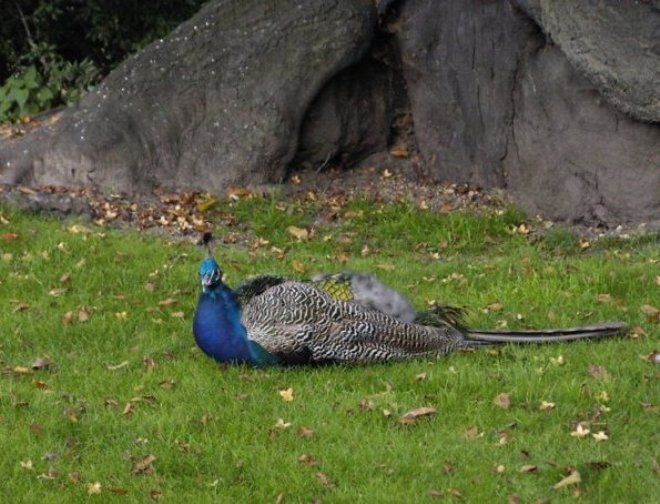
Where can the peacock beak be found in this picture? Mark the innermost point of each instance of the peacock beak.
(207, 280)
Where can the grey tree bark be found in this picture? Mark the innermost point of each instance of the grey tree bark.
(556, 101)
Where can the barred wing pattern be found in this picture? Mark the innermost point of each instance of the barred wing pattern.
(300, 323)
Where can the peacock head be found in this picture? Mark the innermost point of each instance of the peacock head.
(210, 273)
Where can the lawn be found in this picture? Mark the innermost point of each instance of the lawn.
(103, 394)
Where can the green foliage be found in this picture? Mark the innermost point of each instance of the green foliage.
(128, 382)
(51, 51)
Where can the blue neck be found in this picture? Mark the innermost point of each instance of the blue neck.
(219, 332)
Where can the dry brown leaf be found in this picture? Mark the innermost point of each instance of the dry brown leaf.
(57, 291)
(502, 400)
(472, 432)
(41, 363)
(652, 313)
(79, 229)
(21, 307)
(83, 314)
(305, 432)
(529, 468)
(324, 480)
(307, 459)
(600, 436)
(167, 302)
(118, 490)
(598, 372)
(287, 394)
(299, 233)
(144, 465)
(115, 367)
(9, 236)
(94, 488)
(421, 376)
(167, 384)
(40, 384)
(281, 424)
(546, 406)
(572, 479)
(580, 431)
(604, 298)
(412, 415)
(298, 266)
(400, 151)
(177, 314)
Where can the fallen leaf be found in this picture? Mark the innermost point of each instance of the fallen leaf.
(83, 314)
(94, 488)
(412, 415)
(40, 384)
(572, 479)
(27, 464)
(472, 432)
(299, 233)
(149, 363)
(40, 363)
(604, 298)
(598, 372)
(557, 361)
(21, 307)
(167, 384)
(79, 229)
(503, 401)
(177, 314)
(386, 174)
(156, 495)
(287, 394)
(637, 332)
(67, 318)
(528, 468)
(115, 367)
(9, 236)
(324, 480)
(584, 244)
(400, 151)
(144, 465)
(652, 313)
(421, 377)
(494, 307)
(546, 406)
(117, 490)
(58, 291)
(298, 266)
(166, 302)
(281, 424)
(307, 459)
(600, 436)
(305, 432)
(580, 431)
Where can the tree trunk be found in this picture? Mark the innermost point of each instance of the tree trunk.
(217, 102)
(556, 101)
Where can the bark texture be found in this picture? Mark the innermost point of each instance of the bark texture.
(218, 102)
(557, 101)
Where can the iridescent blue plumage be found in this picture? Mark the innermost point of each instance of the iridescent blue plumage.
(217, 324)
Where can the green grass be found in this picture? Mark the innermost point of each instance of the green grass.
(101, 406)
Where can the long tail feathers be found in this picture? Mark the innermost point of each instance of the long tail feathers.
(476, 337)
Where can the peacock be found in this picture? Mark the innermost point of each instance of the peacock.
(272, 320)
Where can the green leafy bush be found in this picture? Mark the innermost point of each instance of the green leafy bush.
(51, 51)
